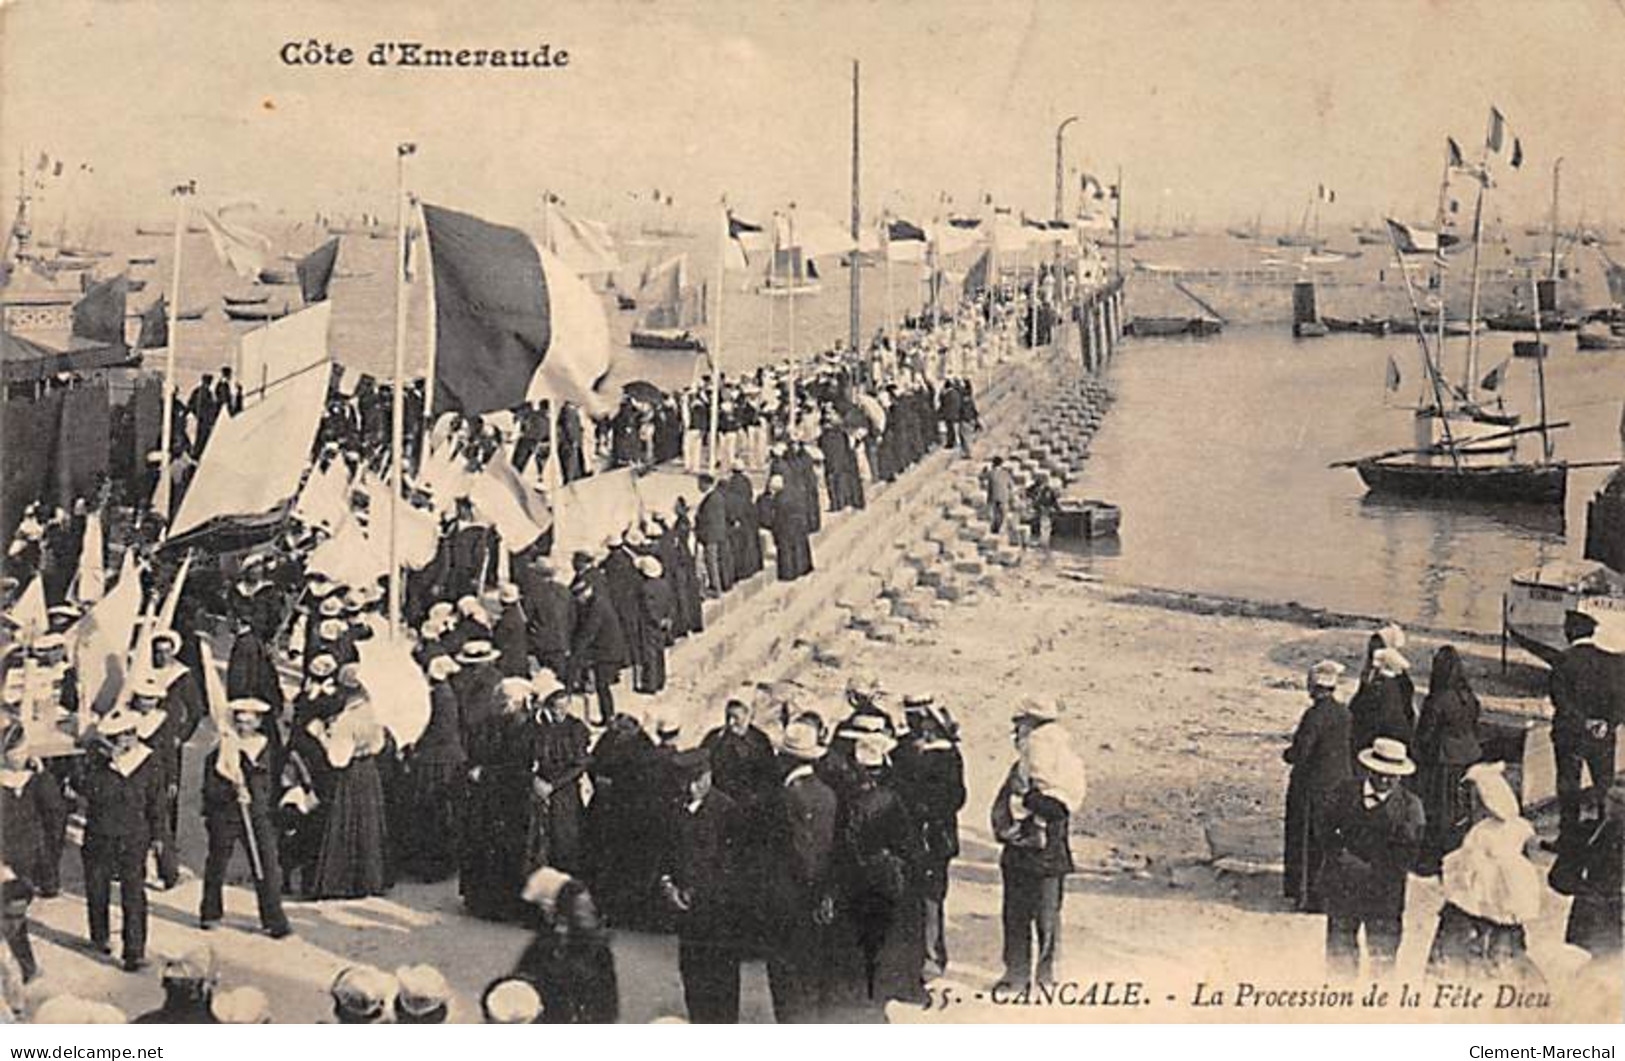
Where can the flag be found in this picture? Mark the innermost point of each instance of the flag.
(419, 531)
(324, 502)
(976, 279)
(316, 271)
(254, 461)
(1326, 194)
(1411, 239)
(585, 246)
(396, 686)
(1517, 153)
(519, 512)
(1394, 378)
(237, 246)
(102, 639)
(1454, 152)
(743, 239)
(28, 613)
(1496, 376)
(99, 316)
(903, 241)
(512, 322)
(92, 578)
(1497, 131)
(154, 326)
(172, 599)
(282, 349)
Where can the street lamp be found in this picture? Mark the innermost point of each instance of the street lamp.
(1060, 151)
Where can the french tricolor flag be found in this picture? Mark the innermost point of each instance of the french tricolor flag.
(512, 322)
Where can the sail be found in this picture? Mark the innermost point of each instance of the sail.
(585, 246)
(660, 295)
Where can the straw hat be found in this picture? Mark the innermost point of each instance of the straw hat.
(649, 566)
(422, 990)
(478, 652)
(248, 705)
(511, 1001)
(1387, 756)
(361, 991)
(542, 889)
(801, 741)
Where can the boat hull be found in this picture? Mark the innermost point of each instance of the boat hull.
(256, 313)
(666, 339)
(1525, 484)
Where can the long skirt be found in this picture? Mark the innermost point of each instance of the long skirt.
(433, 803)
(1465, 946)
(351, 863)
(496, 843)
(1449, 810)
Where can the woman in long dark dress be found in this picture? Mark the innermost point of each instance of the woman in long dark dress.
(351, 863)
(435, 770)
(569, 961)
(496, 836)
(657, 612)
(622, 844)
(1446, 745)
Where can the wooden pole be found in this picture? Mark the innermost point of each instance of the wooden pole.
(716, 339)
(1427, 359)
(166, 432)
(1117, 225)
(855, 279)
(397, 415)
(1557, 171)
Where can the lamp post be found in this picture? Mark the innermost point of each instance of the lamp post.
(1060, 170)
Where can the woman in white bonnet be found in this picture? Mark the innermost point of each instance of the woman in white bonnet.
(1491, 889)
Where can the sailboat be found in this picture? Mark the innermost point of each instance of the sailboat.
(671, 308)
(790, 273)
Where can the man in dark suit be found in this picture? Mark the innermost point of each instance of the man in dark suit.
(697, 880)
(744, 535)
(1321, 761)
(124, 807)
(802, 893)
(597, 645)
(547, 615)
(1373, 828)
(711, 531)
(239, 806)
(1587, 688)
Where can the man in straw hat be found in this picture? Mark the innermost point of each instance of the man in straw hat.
(1032, 824)
(802, 886)
(1373, 829)
(124, 807)
(240, 792)
(1319, 757)
(1587, 690)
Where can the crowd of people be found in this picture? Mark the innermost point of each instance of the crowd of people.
(823, 848)
(1380, 791)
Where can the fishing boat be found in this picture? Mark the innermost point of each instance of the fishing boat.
(143, 259)
(1538, 598)
(671, 308)
(1167, 327)
(246, 300)
(256, 312)
(278, 277)
(1529, 348)
(790, 273)
(1365, 325)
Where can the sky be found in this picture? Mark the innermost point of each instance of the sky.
(1217, 110)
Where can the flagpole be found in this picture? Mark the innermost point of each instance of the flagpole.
(854, 324)
(885, 249)
(790, 223)
(397, 421)
(716, 338)
(1540, 375)
(167, 430)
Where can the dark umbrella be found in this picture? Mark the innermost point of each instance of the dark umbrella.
(644, 391)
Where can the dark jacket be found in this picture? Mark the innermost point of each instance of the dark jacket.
(442, 739)
(930, 776)
(1586, 683)
(220, 806)
(1321, 754)
(597, 639)
(1383, 707)
(701, 861)
(1369, 851)
(547, 616)
(132, 808)
(1038, 845)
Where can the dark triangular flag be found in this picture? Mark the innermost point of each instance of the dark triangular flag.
(154, 326)
(1394, 378)
(1496, 377)
(99, 316)
(316, 271)
(899, 231)
(1455, 152)
(976, 279)
(1517, 152)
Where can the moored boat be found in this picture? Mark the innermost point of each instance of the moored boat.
(1515, 483)
(1592, 338)
(257, 312)
(1529, 348)
(666, 339)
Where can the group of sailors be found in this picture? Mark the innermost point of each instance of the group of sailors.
(1379, 791)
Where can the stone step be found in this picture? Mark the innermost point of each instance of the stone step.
(889, 632)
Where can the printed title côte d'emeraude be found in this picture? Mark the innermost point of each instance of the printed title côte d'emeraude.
(315, 52)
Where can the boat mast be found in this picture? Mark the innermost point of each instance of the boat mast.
(1469, 381)
(1428, 366)
(1540, 375)
(1557, 172)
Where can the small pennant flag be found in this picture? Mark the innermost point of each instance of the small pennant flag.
(243, 249)
(154, 326)
(1497, 131)
(1517, 152)
(1394, 379)
(740, 233)
(1496, 376)
(1327, 195)
(1454, 150)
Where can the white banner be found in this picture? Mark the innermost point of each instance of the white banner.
(283, 349)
